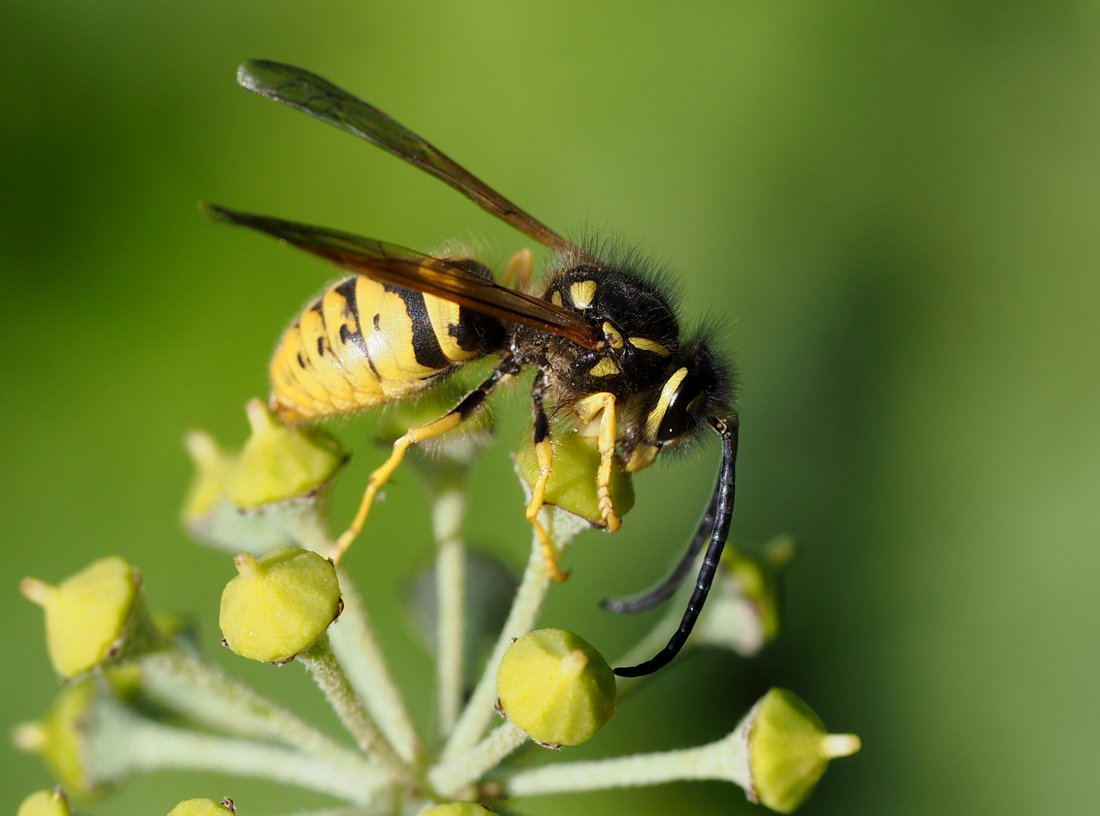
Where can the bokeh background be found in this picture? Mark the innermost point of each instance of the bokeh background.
(893, 208)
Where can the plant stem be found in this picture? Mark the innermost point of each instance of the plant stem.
(121, 743)
(725, 760)
(450, 779)
(201, 691)
(326, 671)
(562, 528)
(356, 646)
(448, 507)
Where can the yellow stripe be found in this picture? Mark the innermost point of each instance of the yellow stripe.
(582, 293)
(605, 368)
(653, 421)
(645, 344)
(443, 314)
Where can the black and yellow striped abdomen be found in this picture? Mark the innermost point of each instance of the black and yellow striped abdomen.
(365, 343)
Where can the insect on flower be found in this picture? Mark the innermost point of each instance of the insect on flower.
(602, 337)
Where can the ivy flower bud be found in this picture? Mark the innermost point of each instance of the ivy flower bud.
(210, 516)
(743, 611)
(45, 803)
(60, 738)
(572, 483)
(556, 687)
(213, 469)
(203, 807)
(457, 809)
(279, 605)
(789, 749)
(281, 462)
(93, 616)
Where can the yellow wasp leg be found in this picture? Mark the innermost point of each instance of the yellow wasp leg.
(519, 271)
(603, 404)
(452, 419)
(607, 454)
(544, 453)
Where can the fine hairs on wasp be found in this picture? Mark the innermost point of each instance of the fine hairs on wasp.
(602, 338)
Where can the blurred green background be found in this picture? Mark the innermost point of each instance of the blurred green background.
(893, 208)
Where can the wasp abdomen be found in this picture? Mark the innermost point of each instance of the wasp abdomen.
(365, 343)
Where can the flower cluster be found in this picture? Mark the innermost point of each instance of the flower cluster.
(138, 696)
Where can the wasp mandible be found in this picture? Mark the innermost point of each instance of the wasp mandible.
(602, 337)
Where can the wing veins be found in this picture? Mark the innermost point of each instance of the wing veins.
(406, 268)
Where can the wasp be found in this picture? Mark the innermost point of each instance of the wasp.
(602, 338)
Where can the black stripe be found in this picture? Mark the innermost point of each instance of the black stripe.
(346, 290)
(426, 346)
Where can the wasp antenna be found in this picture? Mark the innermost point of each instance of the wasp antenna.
(667, 588)
(722, 499)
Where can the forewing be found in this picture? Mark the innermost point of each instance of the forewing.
(321, 99)
(409, 269)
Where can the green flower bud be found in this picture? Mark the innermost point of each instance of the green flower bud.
(203, 807)
(279, 605)
(789, 749)
(45, 803)
(60, 738)
(457, 809)
(93, 616)
(572, 484)
(556, 687)
(214, 468)
(281, 462)
(212, 518)
(743, 611)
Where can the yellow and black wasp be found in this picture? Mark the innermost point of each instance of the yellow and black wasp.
(602, 338)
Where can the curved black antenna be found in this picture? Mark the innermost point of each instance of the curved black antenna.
(660, 593)
(723, 496)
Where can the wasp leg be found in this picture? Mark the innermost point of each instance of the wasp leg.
(544, 452)
(603, 404)
(452, 419)
(519, 271)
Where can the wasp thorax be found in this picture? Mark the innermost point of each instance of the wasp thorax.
(639, 331)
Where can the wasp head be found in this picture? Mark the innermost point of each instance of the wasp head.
(697, 387)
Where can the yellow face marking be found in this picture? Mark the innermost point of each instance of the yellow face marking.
(605, 368)
(614, 339)
(645, 344)
(555, 298)
(582, 293)
(653, 421)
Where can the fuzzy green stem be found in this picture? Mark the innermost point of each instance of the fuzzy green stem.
(452, 778)
(329, 675)
(562, 528)
(356, 647)
(725, 760)
(121, 743)
(204, 693)
(448, 507)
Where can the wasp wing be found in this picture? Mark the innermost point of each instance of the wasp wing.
(321, 99)
(398, 266)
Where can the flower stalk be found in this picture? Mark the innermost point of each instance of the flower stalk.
(562, 527)
(329, 675)
(553, 687)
